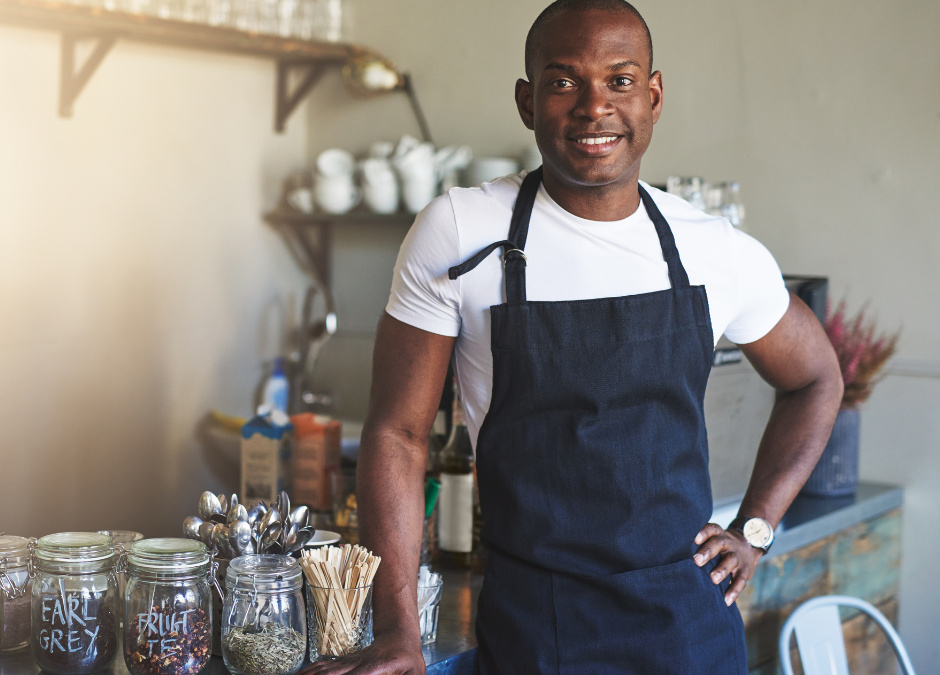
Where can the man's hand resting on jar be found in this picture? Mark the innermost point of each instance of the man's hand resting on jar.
(388, 655)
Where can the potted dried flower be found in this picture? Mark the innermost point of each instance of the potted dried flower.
(862, 355)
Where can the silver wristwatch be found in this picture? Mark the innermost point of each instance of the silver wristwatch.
(757, 531)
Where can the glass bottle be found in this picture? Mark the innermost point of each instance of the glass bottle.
(264, 629)
(167, 607)
(74, 603)
(15, 590)
(455, 504)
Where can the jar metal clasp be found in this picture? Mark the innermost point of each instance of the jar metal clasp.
(213, 579)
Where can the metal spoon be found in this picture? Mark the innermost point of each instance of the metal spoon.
(241, 537)
(272, 516)
(223, 502)
(205, 533)
(271, 534)
(233, 501)
(191, 527)
(300, 516)
(254, 513)
(218, 518)
(237, 512)
(303, 536)
(209, 504)
(221, 538)
(290, 537)
(276, 549)
(283, 505)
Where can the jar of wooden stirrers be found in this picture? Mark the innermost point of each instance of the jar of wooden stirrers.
(339, 599)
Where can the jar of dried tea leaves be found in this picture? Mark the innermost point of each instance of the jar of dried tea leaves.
(264, 631)
(15, 590)
(74, 603)
(168, 607)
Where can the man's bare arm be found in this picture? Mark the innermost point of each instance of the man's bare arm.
(408, 371)
(797, 359)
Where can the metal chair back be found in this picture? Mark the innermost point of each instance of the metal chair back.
(819, 636)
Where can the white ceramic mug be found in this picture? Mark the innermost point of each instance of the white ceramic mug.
(335, 163)
(336, 195)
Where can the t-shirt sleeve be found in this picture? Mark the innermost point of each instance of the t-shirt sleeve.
(763, 298)
(422, 295)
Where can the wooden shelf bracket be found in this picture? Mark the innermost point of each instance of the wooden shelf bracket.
(72, 82)
(286, 101)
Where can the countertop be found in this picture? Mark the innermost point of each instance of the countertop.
(808, 519)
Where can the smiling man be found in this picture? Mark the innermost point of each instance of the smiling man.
(582, 354)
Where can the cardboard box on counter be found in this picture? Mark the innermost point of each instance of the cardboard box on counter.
(317, 442)
(265, 455)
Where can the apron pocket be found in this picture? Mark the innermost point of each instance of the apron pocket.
(666, 620)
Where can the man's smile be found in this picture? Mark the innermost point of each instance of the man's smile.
(596, 144)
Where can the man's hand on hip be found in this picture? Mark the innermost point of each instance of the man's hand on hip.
(738, 558)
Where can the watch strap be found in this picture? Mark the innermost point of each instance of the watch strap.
(738, 523)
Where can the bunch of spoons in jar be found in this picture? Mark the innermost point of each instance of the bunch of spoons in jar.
(232, 530)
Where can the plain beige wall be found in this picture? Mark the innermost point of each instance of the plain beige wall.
(138, 286)
(827, 113)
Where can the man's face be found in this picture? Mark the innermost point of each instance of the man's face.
(592, 101)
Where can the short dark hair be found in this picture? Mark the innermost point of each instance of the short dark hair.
(560, 6)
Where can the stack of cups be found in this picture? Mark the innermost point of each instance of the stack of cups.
(416, 165)
(335, 189)
(379, 183)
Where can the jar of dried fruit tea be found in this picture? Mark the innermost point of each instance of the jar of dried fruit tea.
(74, 603)
(264, 630)
(168, 607)
(15, 589)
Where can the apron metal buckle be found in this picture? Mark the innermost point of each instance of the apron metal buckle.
(516, 250)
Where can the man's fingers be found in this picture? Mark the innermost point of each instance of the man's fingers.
(709, 530)
(331, 667)
(727, 565)
(712, 547)
(734, 590)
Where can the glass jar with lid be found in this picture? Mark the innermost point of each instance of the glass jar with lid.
(264, 631)
(15, 589)
(168, 607)
(74, 603)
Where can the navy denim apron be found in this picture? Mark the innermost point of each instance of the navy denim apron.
(593, 472)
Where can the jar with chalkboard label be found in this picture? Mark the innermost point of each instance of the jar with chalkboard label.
(168, 607)
(15, 589)
(264, 628)
(74, 603)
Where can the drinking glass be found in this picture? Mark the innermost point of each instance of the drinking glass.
(339, 621)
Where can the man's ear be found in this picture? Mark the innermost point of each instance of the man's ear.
(524, 103)
(656, 95)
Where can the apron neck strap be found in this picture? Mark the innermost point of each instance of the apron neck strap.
(677, 274)
(514, 257)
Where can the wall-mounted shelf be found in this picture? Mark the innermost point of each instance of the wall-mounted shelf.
(310, 237)
(78, 23)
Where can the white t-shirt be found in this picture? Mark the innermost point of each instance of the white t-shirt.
(569, 258)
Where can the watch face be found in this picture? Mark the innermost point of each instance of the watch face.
(757, 532)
